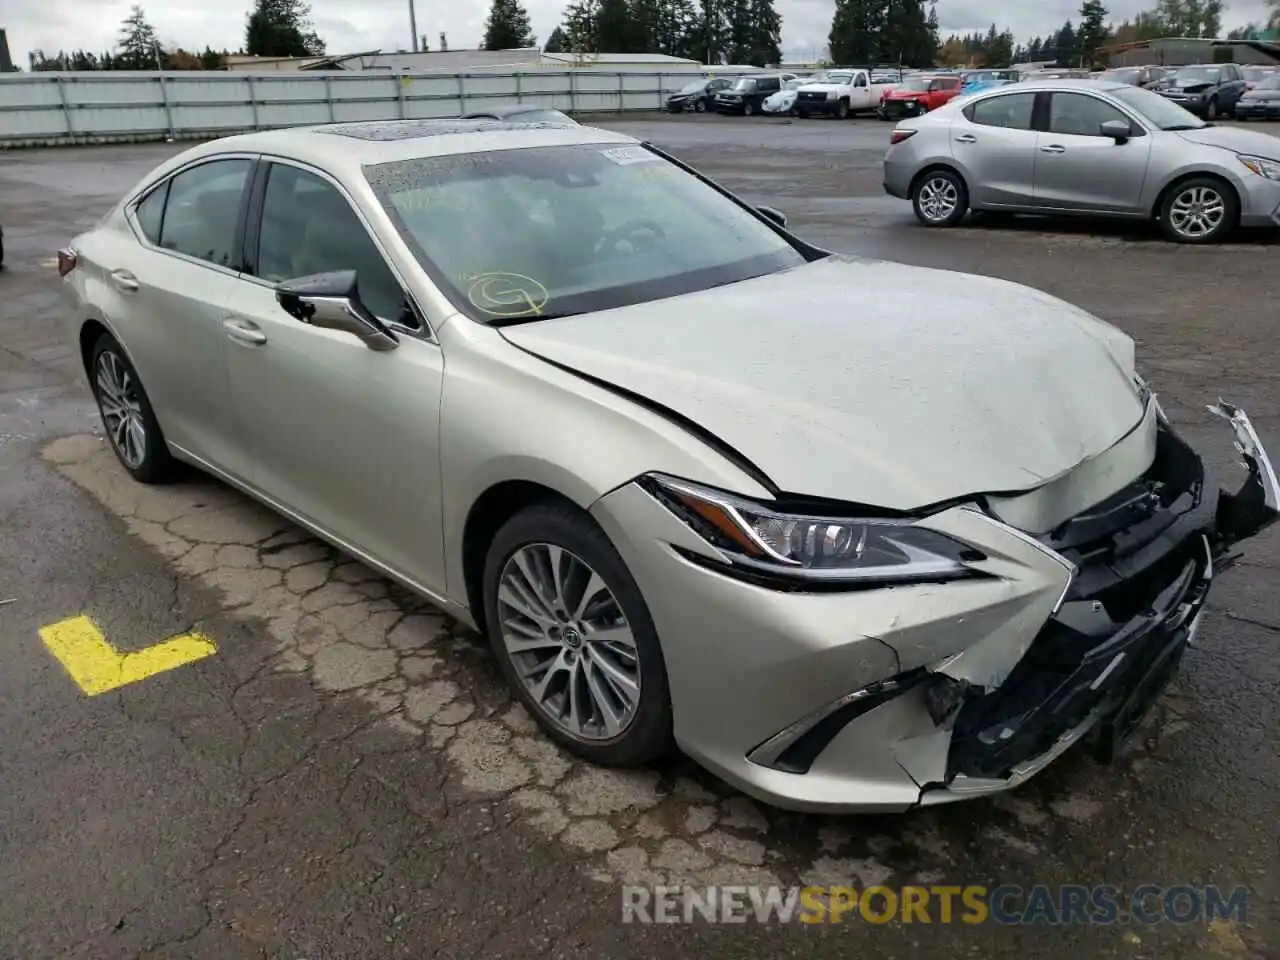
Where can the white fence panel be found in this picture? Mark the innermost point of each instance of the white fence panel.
(58, 108)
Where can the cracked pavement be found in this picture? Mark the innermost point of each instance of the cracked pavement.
(348, 777)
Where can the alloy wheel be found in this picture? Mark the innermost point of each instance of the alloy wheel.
(1197, 212)
(121, 406)
(938, 198)
(569, 642)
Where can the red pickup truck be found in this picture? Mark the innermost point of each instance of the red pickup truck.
(917, 95)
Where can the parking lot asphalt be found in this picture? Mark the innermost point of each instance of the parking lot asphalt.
(346, 777)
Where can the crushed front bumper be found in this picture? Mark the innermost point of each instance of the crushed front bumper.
(886, 699)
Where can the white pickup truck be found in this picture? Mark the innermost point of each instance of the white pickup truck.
(840, 93)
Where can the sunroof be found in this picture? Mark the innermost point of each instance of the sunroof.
(412, 129)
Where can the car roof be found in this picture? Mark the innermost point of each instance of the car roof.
(349, 146)
(1070, 83)
(509, 110)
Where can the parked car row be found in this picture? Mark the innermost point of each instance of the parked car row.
(1091, 148)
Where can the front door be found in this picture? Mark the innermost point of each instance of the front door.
(1080, 170)
(345, 436)
(994, 141)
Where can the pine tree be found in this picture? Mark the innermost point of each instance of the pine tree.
(615, 31)
(557, 42)
(1093, 28)
(138, 44)
(856, 29)
(281, 28)
(580, 19)
(710, 42)
(507, 27)
(766, 34)
(1065, 45)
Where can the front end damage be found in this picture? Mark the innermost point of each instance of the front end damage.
(1135, 571)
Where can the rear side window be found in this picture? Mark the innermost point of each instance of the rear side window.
(1013, 110)
(202, 214)
(150, 213)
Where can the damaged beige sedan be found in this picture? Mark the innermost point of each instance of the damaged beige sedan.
(852, 534)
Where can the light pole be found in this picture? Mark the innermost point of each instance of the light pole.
(413, 26)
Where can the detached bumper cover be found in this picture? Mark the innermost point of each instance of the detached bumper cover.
(1141, 564)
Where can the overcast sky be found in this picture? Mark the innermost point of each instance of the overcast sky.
(349, 26)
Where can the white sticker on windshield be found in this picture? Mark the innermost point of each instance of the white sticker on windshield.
(624, 155)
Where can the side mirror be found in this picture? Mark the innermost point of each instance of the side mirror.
(1117, 130)
(331, 301)
(777, 216)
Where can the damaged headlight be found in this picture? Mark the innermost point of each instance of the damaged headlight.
(817, 548)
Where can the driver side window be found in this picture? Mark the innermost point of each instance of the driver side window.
(861, 80)
(309, 227)
(1080, 114)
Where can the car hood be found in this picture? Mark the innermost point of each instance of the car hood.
(867, 381)
(823, 87)
(1235, 138)
(1256, 94)
(905, 94)
(1189, 87)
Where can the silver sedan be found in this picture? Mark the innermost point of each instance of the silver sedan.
(1085, 148)
(824, 523)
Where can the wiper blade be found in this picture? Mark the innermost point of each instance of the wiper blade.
(529, 318)
(1187, 126)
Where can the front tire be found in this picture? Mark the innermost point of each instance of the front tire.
(699, 106)
(127, 415)
(842, 110)
(574, 637)
(1211, 111)
(939, 198)
(1200, 210)
(748, 109)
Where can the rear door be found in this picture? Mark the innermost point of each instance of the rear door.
(172, 288)
(1080, 170)
(994, 140)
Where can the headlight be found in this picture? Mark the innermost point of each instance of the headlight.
(831, 94)
(1262, 166)
(814, 548)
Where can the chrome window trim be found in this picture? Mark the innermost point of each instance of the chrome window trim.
(427, 332)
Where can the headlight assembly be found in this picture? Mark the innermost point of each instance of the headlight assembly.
(817, 549)
(1262, 166)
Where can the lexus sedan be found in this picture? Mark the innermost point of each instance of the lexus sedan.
(855, 535)
(1085, 148)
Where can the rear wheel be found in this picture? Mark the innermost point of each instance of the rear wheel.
(1199, 210)
(127, 415)
(939, 198)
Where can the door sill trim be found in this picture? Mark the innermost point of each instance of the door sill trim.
(455, 610)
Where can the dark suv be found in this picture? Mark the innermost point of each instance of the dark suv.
(747, 94)
(1208, 90)
(698, 95)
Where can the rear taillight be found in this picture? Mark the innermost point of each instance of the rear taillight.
(66, 261)
(899, 135)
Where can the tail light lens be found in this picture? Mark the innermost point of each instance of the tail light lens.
(66, 261)
(899, 135)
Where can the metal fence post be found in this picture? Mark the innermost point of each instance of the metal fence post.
(573, 91)
(168, 108)
(462, 93)
(66, 109)
(662, 85)
(328, 97)
(519, 87)
(622, 91)
(253, 103)
(400, 85)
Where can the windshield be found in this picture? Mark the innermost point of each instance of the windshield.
(1189, 75)
(540, 116)
(1123, 76)
(745, 83)
(914, 85)
(1270, 83)
(1156, 110)
(515, 235)
(1254, 74)
(693, 87)
(833, 78)
(793, 84)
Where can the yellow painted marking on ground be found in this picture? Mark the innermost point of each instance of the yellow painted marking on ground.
(96, 666)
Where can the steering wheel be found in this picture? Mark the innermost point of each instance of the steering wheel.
(628, 230)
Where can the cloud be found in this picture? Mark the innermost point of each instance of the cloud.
(384, 24)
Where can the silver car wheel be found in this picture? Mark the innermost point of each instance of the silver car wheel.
(569, 642)
(121, 409)
(938, 199)
(1197, 212)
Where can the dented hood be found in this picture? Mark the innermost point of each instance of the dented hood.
(870, 382)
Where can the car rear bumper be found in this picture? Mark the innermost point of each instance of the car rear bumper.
(887, 699)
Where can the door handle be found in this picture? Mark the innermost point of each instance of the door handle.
(966, 138)
(244, 331)
(1053, 148)
(124, 281)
